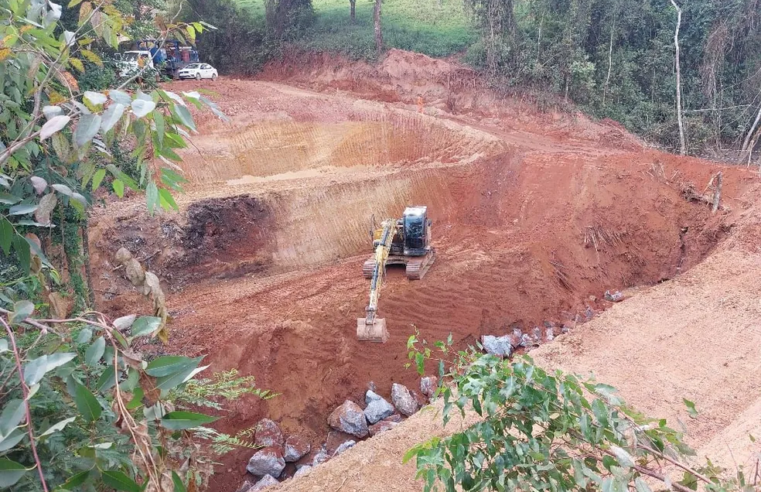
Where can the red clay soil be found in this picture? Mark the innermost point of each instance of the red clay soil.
(527, 225)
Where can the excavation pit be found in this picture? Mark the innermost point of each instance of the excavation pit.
(267, 271)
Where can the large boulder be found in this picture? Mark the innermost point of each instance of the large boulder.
(268, 434)
(499, 346)
(295, 448)
(382, 426)
(378, 410)
(403, 399)
(266, 481)
(267, 461)
(349, 418)
(428, 385)
(343, 447)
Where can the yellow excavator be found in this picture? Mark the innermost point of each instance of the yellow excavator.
(405, 241)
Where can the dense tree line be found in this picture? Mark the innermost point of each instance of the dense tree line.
(617, 59)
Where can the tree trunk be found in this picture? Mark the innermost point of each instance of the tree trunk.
(353, 14)
(752, 130)
(682, 140)
(610, 62)
(378, 32)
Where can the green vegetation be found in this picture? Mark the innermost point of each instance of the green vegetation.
(81, 407)
(436, 28)
(550, 431)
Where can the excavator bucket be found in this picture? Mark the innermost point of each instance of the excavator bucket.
(372, 332)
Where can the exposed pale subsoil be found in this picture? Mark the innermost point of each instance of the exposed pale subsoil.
(533, 214)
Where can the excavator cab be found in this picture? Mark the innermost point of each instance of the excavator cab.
(416, 231)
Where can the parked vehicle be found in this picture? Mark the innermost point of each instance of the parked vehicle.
(198, 71)
(131, 62)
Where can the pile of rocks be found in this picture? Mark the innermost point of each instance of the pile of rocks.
(506, 345)
(349, 423)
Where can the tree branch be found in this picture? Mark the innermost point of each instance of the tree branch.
(25, 389)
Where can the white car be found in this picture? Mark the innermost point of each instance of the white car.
(198, 71)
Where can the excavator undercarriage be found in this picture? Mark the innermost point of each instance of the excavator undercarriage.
(404, 241)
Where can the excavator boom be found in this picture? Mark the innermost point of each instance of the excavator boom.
(371, 328)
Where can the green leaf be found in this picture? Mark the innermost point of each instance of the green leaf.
(22, 209)
(118, 187)
(62, 189)
(172, 380)
(10, 472)
(8, 199)
(23, 252)
(95, 351)
(98, 178)
(122, 177)
(145, 325)
(55, 125)
(35, 370)
(87, 128)
(21, 311)
(12, 439)
(4, 348)
(107, 380)
(57, 427)
(75, 481)
(690, 408)
(124, 322)
(84, 336)
(141, 107)
(185, 420)
(167, 200)
(184, 116)
(170, 364)
(13, 412)
(158, 118)
(87, 404)
(120, 481)
(111, 117)
(152, 195)
(6, 235)
(120, 97)
(178, 485)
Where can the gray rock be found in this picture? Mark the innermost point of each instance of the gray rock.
(394, 418)
(378, 410)
(372, 396)
(343, 447)
(613, 296)
(349, 418)
(295, 448)
(302, 471)
(382, 426)
(549, 334)
(499, 346)
(428, 385)
(266, 481)
(403, 399)
(245, 487)
(321, 457)
(267, 461)
(268, 434)
(537, 335)
(526, 341)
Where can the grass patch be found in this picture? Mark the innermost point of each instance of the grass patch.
(436, 28)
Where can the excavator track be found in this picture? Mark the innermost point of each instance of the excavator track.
(418, 267)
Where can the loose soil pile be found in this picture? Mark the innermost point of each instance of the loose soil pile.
(532, 223)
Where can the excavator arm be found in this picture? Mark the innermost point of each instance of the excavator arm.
(372, 328)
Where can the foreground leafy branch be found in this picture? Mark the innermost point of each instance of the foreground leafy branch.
(550, 431)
